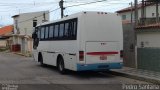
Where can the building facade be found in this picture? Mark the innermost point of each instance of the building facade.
(23, 27)
(128, 14)
(147, 34)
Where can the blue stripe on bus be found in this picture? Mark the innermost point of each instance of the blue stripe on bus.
(99, 66)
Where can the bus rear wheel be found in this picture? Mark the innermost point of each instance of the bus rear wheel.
(61, 66)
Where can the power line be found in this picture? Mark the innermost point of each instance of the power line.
(27, 3)
(60, 8)
(86, 3)
(44, 4)
(24, 8)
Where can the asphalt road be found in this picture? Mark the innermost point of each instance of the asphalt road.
(23, 73)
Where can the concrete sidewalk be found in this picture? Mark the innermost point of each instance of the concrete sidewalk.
(140, 74)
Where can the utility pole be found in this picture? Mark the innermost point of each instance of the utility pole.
(131, 12)
(62, 8)
(44, 17)
(135, 25)
(157, 11)
(143, 13)
(34, 3)
(136, 13)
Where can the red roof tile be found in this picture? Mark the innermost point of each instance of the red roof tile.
(6, 30)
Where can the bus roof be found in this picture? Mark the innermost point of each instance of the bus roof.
(76, 15)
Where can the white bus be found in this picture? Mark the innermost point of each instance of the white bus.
(80, 42)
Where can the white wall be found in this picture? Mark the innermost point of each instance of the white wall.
(26, 28)
(150, 10)
(150, 39)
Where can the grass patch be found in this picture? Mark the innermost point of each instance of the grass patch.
(2, 49)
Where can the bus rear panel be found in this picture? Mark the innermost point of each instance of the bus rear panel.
(101, 41)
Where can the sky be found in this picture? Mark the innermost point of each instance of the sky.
(8, 8)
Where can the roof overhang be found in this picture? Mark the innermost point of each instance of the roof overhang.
(156, 25)
(152, 1)
(15, 16)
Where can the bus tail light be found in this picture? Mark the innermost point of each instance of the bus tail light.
(81, 55)
(121, 53)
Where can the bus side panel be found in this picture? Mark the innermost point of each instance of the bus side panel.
(48, 58)
(70, 60)
(44, 50)
(67, 49)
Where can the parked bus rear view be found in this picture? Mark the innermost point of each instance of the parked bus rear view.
(80, 42)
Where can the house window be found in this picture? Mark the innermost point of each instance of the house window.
(153, 14)
(34, 23)
(142, 44)
(123, 17)
(16, 23)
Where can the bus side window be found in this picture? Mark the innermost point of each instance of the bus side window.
(51, 31)
(72, 33)
(61, 30)
(75, 29)
(66, 30)
(42, 33)
(46, 33)
(70, 30)
(56, 31)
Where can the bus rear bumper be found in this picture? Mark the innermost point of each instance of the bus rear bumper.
(99, 66)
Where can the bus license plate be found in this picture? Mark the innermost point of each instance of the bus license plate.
(103, 57)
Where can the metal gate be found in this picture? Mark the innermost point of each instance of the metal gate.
(148, 58)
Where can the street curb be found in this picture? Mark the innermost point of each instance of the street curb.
(132, 76)
(20, 54)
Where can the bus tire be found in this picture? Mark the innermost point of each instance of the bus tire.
(61, 66)
(40, 59)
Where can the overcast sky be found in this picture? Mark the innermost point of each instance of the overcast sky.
(9, 8)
